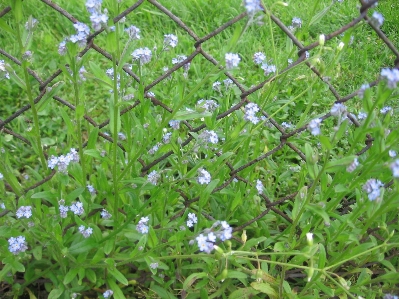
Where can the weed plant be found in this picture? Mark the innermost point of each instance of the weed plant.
(152, 165)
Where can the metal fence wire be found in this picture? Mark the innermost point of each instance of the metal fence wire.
(271, 205)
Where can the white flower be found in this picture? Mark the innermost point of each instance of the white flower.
(153, 177)
(259, 57)
(338, 109)
(105, 214)
(232, 60)
(24, 211)
(204, 176)
(372, 187)
(351, 167)
(108, 293)
(314, 126)
(259, 186)
(392, 153)
(296, 22)
(170, 40)
(377, 19)
(395, 168)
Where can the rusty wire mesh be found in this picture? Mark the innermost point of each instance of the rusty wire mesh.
(271, 205)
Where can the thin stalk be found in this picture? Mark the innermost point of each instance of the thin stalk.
(79, 125)
(36, 129)
(115, 139)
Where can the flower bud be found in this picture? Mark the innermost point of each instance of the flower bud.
(322, 39)
(340, 46)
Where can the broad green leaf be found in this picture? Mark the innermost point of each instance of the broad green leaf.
(243, 293)
(118, 275)
(204, 195)
(74, 194)
(93, 153)
(37, 252)
(82, 246)
(70, 275)
(187, 115)
(6, 27)
(317, 18)
(264, 288)
(54, 294)
(91, 275)
(192, 278)
(152, 238)
(161, 292)
(118, 294)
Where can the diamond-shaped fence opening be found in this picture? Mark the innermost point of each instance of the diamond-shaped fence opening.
(241, 95)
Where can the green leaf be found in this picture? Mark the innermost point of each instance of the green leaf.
(91, 275)
(264, 288)
(54, 294)
(70, 275)
(161, 292)
(17, 266)
(37, 252)
(152, 238)
(243, 293)
(118, 275)
(6, 27)
(317, 18)
(17, 10)
(192, 278)
(82, 246)
(74, 194)
(322, 256)
(118, 294)
(236, 274)
(186, 115)
(93, 153)
(204, 196)
(108, 246)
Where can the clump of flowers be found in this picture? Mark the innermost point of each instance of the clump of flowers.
(259, 57)
(142, 226)
(392, 77)
(82, 32)
(97, 17)
(91, 189)
(296, 22)
(63, 209)
(204, 176)
(77, 208)
(133, 32)
(228, 83)
(170, 41)
(17, 245)
(286, 125)
(208, 105)
(372, 187)
(3, 70)
(392, 153)
(186, 66)
(362, 89)
(250, 113)
(86, 232)
(351, 167)
(385, 110)
(207, 239)
(252, 6)
(209, 136)
(108, 293)
(395, 168)
(377, 19)
(232, 60)
(175, 124)
(192, 219)
(166, 137)
(259, 186)
(268, 69)
(153, 177)
(24, 211)
(314, 126)
(105, 214)
(143, 55)
(338, 109)
(62, 161)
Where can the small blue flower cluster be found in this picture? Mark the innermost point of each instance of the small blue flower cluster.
(175, 124)
(91, 189)
(97, 18)
(250, 113)
(24, 211)
(209, 236)
(204, 177)
(170, 41)
(86, 232)
(392, 77)
(314, 126)
(133, 31)
(192, 219)
(3, 70)
(395, 168)
(108, 293)
(232, 60)
(153, 177)
(259, 186)
(372, 187)
(63, 161)
(82, 32)
(252, 6)
(143, 55)
(17, 245)
(142, 226)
